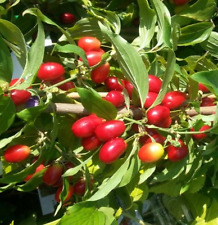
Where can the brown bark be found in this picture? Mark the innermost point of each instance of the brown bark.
(64, 108)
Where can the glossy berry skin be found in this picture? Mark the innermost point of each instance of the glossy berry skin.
(19, 97)
(50, 71)
(89, 43)
(180, 2)
(158, 138)
(203, 88)
(112, 84)
(200, 136)
(112, 150)
(69, 193)
(129, 87)
(158, 115)
(80, 187)
(100, 74)
(85, 126)
(151, 97)
(53, 174)
(151, 152)
(109, 129)
(166, 123)
(16, 153)
(206, 101)
(94, 57)
(32, 102)
(90, 143)
(177, 153)
(174, 99)
(68, 18)
(38, 169)
(154, 83)
(116, 98)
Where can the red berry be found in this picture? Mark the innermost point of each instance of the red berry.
(151, 97)
(112, 150)
(154, 83)
(100, 74)
(85, 126)
(158, 115)
(38, 169)
(90, 143)
(174, 99)
(113, 84)
(94, 57)
(68, 18)
(200, 136)
(109, 129)
(19, 97)
(53, 174)
(16, 153)
(80, 187)
(116, 98)
(151, 152)
(177, 153)
(206, 101)
(203, 88)
(180, 2)
(89, 44)
(129, 87)
(50, 71)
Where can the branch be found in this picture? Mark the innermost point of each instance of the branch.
(64, 108)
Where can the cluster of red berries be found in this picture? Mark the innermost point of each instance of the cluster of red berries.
(94, 52)
(96, 132)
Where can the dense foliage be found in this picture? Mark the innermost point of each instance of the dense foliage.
(117, 113)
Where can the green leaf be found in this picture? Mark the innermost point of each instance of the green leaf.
(94, 103)
(140, 192)
(109, 214)
(36, 12)
(14, 39)
(7, 113)
(69, 48)
(55, 222)
(132, 171)
(108, 17)
(211, 44)
(148, 170)
(31, 184)
(201, 10)
(195, 33)
(171, 188)
(133, 67)
(209, 79)
(31, 113)
(86, 27)
(106, 187)
(171, 171)
(6, 67)
(168, 75)
(35, 58)
(164, 24)
(83, 213)
(123, 197)
(147, 24)
(6, 141)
